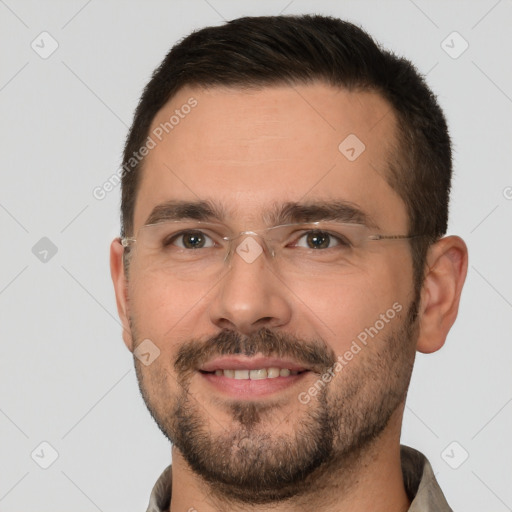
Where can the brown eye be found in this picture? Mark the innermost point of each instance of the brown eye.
(191, 240)
(316, 239)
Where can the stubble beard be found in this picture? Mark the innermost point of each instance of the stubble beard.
(246, 462)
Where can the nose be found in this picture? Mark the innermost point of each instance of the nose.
(250, 296)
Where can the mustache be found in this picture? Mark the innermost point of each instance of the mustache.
(313, 354)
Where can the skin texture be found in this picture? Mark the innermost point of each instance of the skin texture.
(250, 151)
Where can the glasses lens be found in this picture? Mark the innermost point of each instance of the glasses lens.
(197, 250)
(322, 247)
(186, 249)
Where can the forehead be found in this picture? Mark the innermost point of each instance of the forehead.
(247, 149)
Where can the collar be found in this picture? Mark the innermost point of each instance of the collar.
(419, 481)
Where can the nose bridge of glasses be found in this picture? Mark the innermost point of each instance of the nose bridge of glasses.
(249, 245)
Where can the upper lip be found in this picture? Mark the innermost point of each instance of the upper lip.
(240, 362)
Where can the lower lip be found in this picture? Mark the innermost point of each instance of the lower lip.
(248, 389)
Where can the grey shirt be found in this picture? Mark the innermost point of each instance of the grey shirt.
(419, 481)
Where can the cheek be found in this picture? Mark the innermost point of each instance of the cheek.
(368, 300)
(164, 308)
(170, 311)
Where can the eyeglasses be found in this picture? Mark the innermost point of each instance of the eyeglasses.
(197, 249)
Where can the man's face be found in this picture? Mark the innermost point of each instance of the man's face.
(251, 153)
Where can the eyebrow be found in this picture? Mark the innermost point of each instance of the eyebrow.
(287, 213)
(336, 210)
(185, 210)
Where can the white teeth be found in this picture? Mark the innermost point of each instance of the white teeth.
(272, 373)
(259, 374)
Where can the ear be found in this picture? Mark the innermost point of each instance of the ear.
(121, 289)
(446, 268)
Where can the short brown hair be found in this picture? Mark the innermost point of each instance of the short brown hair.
(276, 50)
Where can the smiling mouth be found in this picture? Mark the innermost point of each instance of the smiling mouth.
(252, 377)
(255, 374)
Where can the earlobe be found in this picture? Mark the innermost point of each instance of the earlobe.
(121, 289)
(446, 268)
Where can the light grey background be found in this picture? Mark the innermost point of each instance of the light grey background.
(66, 376)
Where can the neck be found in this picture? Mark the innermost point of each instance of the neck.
(372, 481)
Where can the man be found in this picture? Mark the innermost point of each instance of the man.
(285, 196)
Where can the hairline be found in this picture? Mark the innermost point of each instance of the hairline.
(394, 164)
